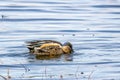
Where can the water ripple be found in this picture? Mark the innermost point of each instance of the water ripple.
(108, 31)
(40, 19)
(106, 6)
(114, 12)
(26, 10)
(14, 6)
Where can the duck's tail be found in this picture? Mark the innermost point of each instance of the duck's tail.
(30, 47)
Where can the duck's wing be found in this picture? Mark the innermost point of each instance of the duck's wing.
(37, 43)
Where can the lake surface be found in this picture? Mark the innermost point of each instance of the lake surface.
(92, 26)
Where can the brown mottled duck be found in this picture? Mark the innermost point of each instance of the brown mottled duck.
(49, 47)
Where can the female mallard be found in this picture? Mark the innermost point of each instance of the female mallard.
(49, 47)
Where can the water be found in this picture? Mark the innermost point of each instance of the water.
(93, 27)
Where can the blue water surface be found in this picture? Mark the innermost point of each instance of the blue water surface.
(92, 26)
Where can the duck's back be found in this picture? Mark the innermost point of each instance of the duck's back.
(38, 43)
(41, 42)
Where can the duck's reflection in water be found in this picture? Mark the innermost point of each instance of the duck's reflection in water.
(64, 57)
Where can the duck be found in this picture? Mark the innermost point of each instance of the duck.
(49, 47)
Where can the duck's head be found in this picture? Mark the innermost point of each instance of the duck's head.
(67, 48)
